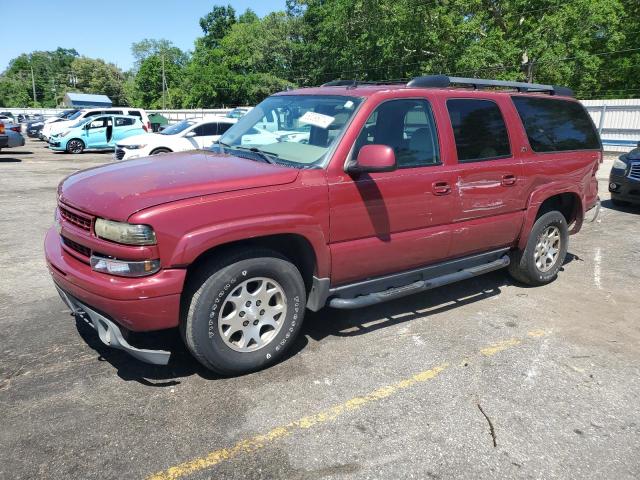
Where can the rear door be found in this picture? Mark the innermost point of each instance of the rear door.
(124, 127)
(490, 205)
(389, 222)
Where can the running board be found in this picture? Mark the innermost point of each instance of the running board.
(417, 287)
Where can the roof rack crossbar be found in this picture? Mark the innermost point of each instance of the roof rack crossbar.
(443, 81)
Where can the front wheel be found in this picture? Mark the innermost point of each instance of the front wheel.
(75, 146)
(244, 312)
(542, 258)
(159, 151)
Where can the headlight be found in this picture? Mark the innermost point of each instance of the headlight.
(619, 164)
(64, 134)
(133, 147)
(124, 268)
(125, 233)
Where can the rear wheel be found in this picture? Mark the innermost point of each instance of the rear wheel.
(244, 312)
(542, 258)
(75, 146)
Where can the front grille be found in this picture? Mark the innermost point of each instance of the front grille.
(81, 249)
(78, 220)
(119, 153)
(634, 171)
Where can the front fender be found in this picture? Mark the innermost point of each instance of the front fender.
(197, 242)
(538, 196)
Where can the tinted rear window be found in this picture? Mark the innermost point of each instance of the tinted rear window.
(556, 125)
(479, 130)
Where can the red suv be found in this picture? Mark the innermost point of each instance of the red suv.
(345, 195)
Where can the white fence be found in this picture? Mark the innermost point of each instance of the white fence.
(172, 115)
(618, 121)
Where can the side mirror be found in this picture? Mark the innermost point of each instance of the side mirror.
(374, 158)
(191, 134)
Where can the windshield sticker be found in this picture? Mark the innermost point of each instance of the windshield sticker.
(316, 119)
(348, 105)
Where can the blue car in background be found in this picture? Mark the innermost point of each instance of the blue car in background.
(96, 133)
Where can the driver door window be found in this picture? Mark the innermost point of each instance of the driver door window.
(408, 127)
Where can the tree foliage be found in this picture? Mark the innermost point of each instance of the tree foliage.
(592, 46)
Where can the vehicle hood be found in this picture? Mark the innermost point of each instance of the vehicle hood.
(145, 138)
(118, 190)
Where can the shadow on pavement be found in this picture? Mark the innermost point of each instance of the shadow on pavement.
(626, 208)
(317, 327)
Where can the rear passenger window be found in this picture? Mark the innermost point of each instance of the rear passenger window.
(479, 130)
(135, 113)
(408, 127)
(121, 122)
(556, 125)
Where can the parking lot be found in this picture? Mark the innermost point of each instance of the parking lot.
(482, 379)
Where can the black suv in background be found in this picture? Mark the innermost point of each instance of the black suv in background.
(624, 180)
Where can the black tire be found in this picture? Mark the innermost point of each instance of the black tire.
(205, 298)
(158, 151)
(523, 262)
(75, 145)
(619, 203)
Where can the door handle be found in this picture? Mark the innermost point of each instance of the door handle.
(509, 180)
(441, 188)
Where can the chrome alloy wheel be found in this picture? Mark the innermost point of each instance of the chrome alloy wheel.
(547, 249)
(252, 314)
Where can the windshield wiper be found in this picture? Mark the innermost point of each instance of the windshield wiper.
(267, 157)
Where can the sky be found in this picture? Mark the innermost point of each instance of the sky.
(107, 29)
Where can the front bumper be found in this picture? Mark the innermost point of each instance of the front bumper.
(109, 333)
(628, 189)
(138, 304)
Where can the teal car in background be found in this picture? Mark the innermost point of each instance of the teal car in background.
(97, 133)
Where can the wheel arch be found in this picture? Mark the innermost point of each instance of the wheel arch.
(293, 246)
(566, 200)
(164, 150)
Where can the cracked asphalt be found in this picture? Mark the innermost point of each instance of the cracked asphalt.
(417, 388)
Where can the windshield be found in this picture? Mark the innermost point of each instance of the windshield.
(75, 115)
(177, 128)
(293, 129)
(81, 122)
(67, 113)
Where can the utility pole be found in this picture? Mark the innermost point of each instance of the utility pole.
(164, 82)
(33, 84)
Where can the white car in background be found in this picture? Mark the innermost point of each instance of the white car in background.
(189, 134)
(55, 128)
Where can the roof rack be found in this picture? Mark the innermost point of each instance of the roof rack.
(355, 83)
(443, 81)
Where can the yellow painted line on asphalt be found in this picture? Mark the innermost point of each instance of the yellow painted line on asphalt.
(260, 441)
(500, 346)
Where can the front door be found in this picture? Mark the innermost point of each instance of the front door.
(387, 222)
(96, 132)
(489, 178)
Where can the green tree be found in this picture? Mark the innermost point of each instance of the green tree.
(216, 24)
(96, 76)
